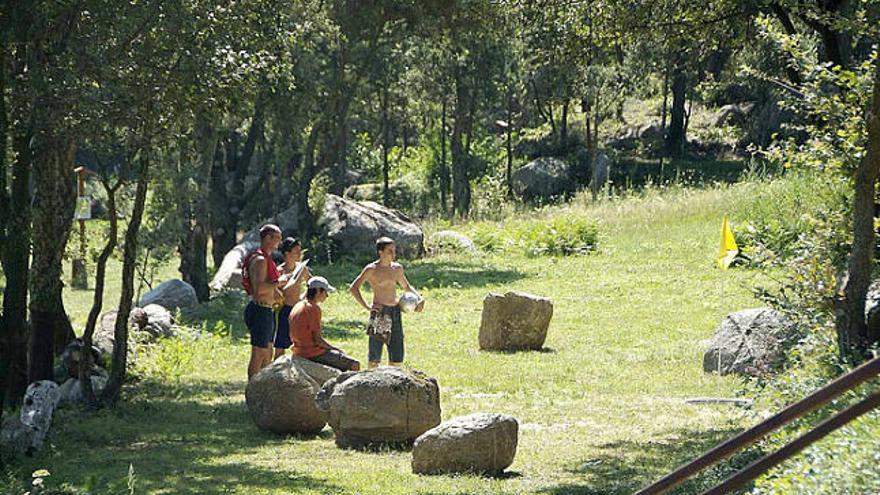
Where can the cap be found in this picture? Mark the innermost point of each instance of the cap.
(320, 283)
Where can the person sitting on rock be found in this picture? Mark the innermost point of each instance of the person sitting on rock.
(305, 329)
(291, 291)
(384, 275)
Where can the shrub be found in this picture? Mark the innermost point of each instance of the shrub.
(565, 234)
(782, 215)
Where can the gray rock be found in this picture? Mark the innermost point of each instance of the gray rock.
(71, 390)
(543, 178)
(747, 340)
(478, 443)
(228, 276)
(736, 114)
(27, 432)
(354, 227)
(71, 357)
(159, 323)
(514, 321)
(104, 338)
(281, 397)
(450, 241)
(385, 405)
(171, 295)
(601, 171)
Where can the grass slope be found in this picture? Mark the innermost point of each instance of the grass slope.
(601, 409)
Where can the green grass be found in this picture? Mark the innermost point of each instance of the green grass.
(601, 409)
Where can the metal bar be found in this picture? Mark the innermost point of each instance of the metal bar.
(824, 428)
(723, 450)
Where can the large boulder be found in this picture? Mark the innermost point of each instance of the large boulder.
(71, 391)
(171, 295)
(27, 432)
(514, 321)
(543, 178)
(479, 443)
(747, 341)
(354, 226)
(228, 274)
(281, 397)
(380, 406)
(450, 241)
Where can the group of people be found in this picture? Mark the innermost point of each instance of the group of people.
(278, 314)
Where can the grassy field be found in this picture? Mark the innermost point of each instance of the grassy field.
(600, 409)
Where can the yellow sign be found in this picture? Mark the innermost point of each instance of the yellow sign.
(728, 250)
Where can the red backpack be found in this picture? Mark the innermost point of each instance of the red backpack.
(271, 269)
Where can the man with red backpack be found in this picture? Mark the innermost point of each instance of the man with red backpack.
(260, 278)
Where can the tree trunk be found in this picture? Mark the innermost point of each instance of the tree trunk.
(460, 183)
(15, 259)
(386, 143)
(129, 260)
(231, 165)
(675, 135)
(444, 170)
(509, 141)
(223, 213)
(852, 330)
(193, 247)
(54, 204)
(17, 242)
(85, 364)
(790, 62)
(563, 124)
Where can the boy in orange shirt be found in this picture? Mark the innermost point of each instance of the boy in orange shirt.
(305, 329)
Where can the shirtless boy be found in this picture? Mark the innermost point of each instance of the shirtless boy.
(384, 275)
(261, 282)
(291, 291)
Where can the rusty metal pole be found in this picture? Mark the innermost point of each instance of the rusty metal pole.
(824, 428)
(725, 449)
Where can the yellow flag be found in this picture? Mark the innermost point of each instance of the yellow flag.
(728, 249)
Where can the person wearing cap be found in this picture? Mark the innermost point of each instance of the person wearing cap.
(291, 291)
(305, 329)
(260, 280)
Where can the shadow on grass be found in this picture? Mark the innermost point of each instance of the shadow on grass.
(173, 443)
(343, 329)
(437, 274)
(628, 466)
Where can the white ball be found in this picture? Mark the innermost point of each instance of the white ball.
(408, 302)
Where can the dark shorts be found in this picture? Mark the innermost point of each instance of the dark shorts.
(260, 322)
(395, 343)
(335, 359)
(282, 325)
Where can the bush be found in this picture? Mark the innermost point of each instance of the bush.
(781, 216)
(564, 235)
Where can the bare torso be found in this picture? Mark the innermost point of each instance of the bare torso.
(383, 282)
(292, 292)
(263, 291)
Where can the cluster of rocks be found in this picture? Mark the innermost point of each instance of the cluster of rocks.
(153, 319)
(389, 406)
(379, 407)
